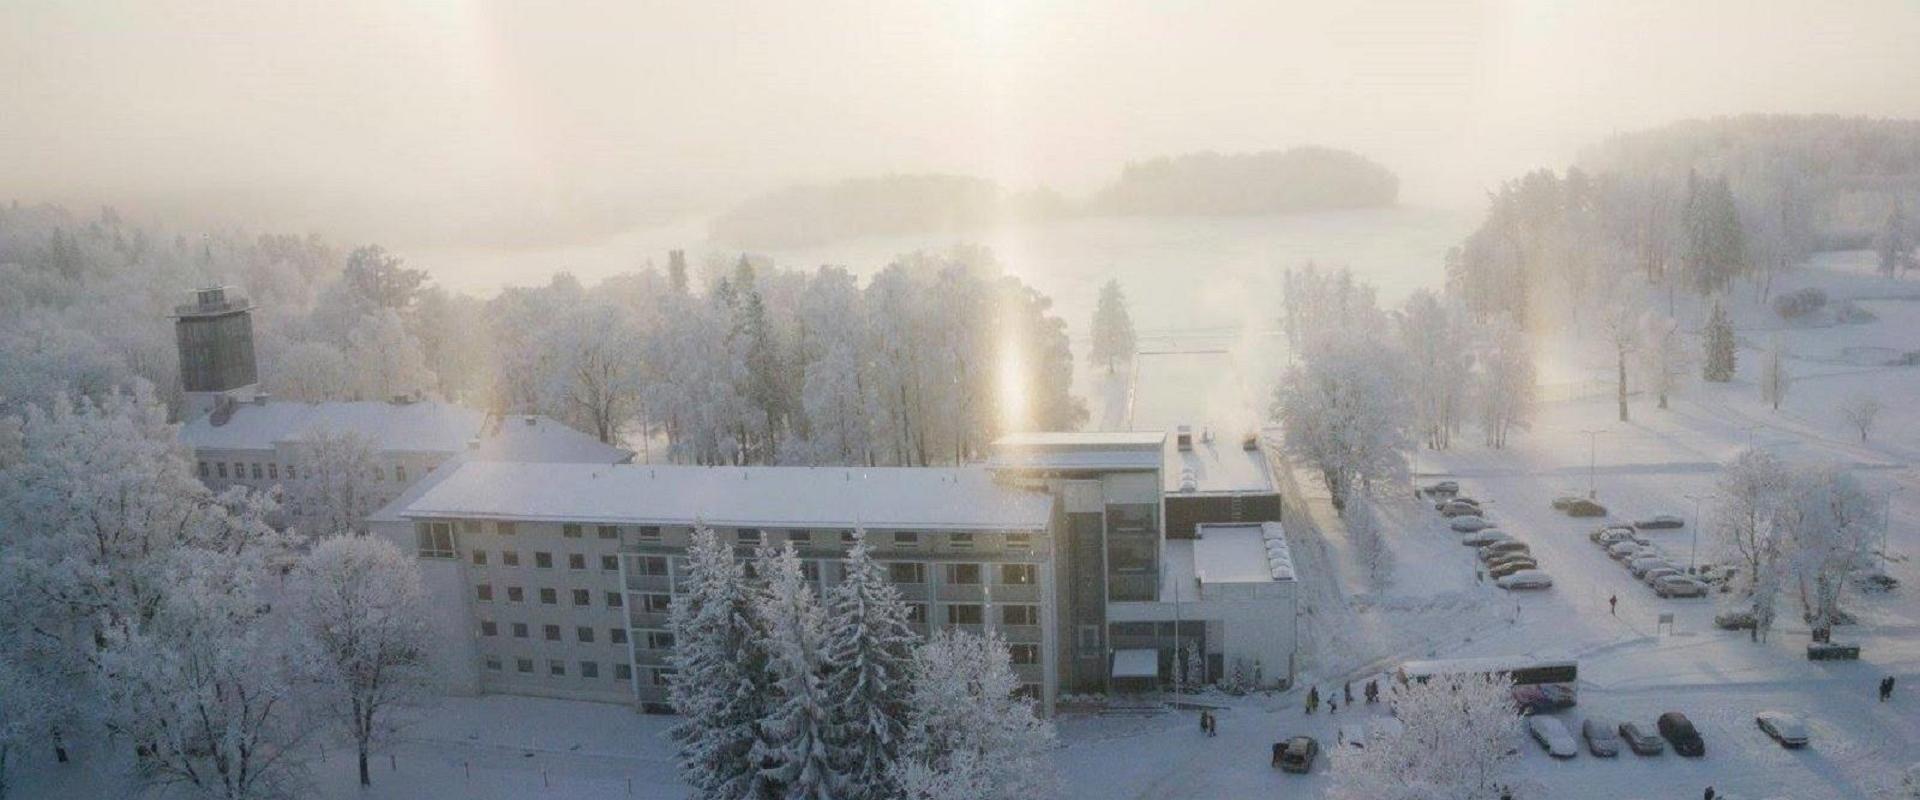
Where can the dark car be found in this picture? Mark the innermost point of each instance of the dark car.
(1734, 621)
(1465, 501)
(1582, 507)
(1642, 741)
(1296, 754)
(1505, 568)
(1442, 488)
(1659, 522)
(1680, 731)
(1459, 509)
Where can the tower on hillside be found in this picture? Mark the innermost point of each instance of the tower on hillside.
(215, 337)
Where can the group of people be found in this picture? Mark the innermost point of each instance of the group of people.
(1886, 688)
(1372, 692)
(1209, 725)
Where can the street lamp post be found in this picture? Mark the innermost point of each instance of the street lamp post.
(1694, 551)
(1592, 435)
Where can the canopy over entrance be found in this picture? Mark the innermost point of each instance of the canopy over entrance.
(1142, 663)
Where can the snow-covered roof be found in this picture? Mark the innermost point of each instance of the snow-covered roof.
(1080, 450)
(923, 498)
(1220, 465)
(425, 426)
(1135, 438)
(1242, 553)
(1144, 663)
(519, 438)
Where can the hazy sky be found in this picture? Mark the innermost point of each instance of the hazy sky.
(533, 124)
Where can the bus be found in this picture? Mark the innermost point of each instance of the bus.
(1538, 684)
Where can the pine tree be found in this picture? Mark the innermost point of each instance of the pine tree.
(1113, 338)
(796, 750)
(870, 646)
(1719, 363)
(718, 668)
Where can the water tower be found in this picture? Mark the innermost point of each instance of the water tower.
(215, 336)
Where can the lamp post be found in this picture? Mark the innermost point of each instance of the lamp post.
(1592, 435)
(1886, 525)
(1695, 549)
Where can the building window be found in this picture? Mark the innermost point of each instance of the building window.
(399, 473)
(504, 528)
(656, 603)
(570, 530)
(484, 592)
(204, 472)
(609, 531)
(222, 467)
(556, 668)
(963, 574)
(589, 669)
(623, 672)
(479, 558)
(747, 535)
(489, 628)
(239, 471)
(647, 533)
(582, 597)
(256, 471)
(965, 614)
(1089, 644)
(960, 541)
(610, 563)
(917, 613)
(519, 630)
(584, 633)
(1016, 574)
(576, 561)
(493, 663)
(288, 470)
(906, 572)
(436, 539)
(510, 558)
(524, 665)
(650, 565)
(659, 640)
(516, 594)
(549, 596)
(1020, 615)
(552, 632)
(615, 600)
(273, 471)
(543, 560)
(663, 677)
(906, 539)
(617, 635)
(1024, 653)
(810, 570)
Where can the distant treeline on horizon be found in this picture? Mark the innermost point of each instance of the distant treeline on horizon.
(1196, 184)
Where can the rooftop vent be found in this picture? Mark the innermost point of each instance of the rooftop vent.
(1183, 437)
(1188, 482)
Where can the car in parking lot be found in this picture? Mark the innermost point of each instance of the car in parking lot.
(1441, 488)
(1560, 503)
(1679, 586)
(1787, 729)
(1506, 568)
(1618, 532)
(1469, 524)
(1625, 552)
(1498, 549)
(1458, 508)
(1641, 740)
(1485, 536)
(1657, 573)
(1296, 754)
(1602, 735)
(1615, 536)
(1525, 579)
(1552, 736)
(1678, 730)
(1638, 567)
(1659, 522)
(1582, 507)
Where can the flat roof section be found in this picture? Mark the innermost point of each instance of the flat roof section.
(1221, 465)
(1242, 553)
(1104, 451)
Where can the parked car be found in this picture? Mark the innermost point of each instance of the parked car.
(1582, 507)
(1469, 524)
(1787, 729)
(1459, 509)
(1552, 736)
(1506, 568)
(1626, 552)
(1507, 558)
(1642, 741)
(1485, 536)
(1734, 620)
(1447, 501)
(1615, 536)
(1560, 503)
(1679, 586)
(1638, 567)
(1602, 735)
(1296, 754)
(1441, 488)
(1657, 573)
(1617, 531)
(1525, 579)
(1498, 549)
(1659, 522)
(1679, 730)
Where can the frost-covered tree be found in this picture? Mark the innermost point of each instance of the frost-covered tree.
(308, 371)
(1748, 504)
(1503, 388)
(205, 691)
(719, 686)
(31, 702)
(1834, 526)
(1713, 244)
(591, 363)
(1457, 740)
(1113, 338)
(1435, 338)
(1664, 360)
(1367, 536)
(1621, 329)
(386, 358)
(833, 393)
(969, 734)
(1895, 243)
(363, 610)
(1345, 411)
(338, 485)
(377, 280)
(1775, 379)
(1860, 411)
(796, 749)
(1718, 366)
(870, 647)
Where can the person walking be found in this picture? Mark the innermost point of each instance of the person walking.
(1313, 698)
(1373, 691)
(1203, 723)
(1890, 687)
(1333, 706)
(1709, 794)
(1346, 691)
(1213, 725)
(1613, 605)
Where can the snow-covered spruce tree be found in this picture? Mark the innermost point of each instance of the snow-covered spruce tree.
(363, 610)
(205, 691)
(1345, 411)
(1503, 388)
(1458, 741)
(1713, 244)
(338, 491)
(1775, 380)
(870, 648)
(795, 751)
(1835, 527)
(1749, 501)
(1113, 338)
(1718, 366)
(718, 673)
(968, 734)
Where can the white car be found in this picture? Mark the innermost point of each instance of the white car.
(1679, 586)
(1628, 551)
(1654, 575)
(1525, 579)
(1484, 537)
(1469, 524)
(1787, 729)
(1640, 566)
(1553, 737)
